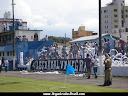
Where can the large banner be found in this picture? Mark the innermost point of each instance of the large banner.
(59, 65)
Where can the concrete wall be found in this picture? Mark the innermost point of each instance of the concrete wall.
(29, 34)
(29, 48)
(81, 33)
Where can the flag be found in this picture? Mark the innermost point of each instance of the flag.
(70, 69)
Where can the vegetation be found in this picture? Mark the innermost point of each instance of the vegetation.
(58, 39)
(14, 84)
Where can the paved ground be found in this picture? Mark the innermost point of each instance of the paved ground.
(119, 83)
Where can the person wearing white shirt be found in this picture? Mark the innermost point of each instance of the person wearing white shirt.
(6, 64)
(0, 66)
(117, 44)
(79, 55)
(95, 65)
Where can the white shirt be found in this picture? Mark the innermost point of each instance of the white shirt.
(78, 54)
(6, 62)
(95, 62)
(38, 53)
(117, 43)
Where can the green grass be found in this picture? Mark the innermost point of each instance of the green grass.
(14, 84)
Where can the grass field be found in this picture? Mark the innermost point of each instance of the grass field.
(13, 84)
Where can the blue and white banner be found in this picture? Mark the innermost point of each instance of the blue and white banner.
(59, 65)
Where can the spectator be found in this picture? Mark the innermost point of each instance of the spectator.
(20, 38)
(117, 44)
(88, 65)
(26, 60)
(70, 55)
(26, 39)
(95, 61)
(122, 46)
(6, 64)
(35, 39)
(108, 45)
(3, 62)
(46, 38)
(23, 38)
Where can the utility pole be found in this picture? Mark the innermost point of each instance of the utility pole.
(100, 41)
(65, 38)
(13, 35)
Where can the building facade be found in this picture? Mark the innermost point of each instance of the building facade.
(114, 15)
(26, 41)
(81, 32)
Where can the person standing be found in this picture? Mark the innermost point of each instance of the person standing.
(108, 46)
(117, 44)
(0, 66)
(6, 65)
(3, 61)
(46, 38)
(108, 73)
(95, 61)
(88, 65)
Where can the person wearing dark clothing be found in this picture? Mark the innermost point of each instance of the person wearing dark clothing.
(88, 65)
(3, 61)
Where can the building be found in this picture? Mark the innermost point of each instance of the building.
(81, 32)
(95, 38)
(20, 30)
(114, 15)
(29, 44)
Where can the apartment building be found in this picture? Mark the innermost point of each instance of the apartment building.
(114, 16)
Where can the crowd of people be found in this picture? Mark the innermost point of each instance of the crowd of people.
(79, 51)
(75, 51)
(21, 38)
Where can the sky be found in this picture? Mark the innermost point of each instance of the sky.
(56, 17)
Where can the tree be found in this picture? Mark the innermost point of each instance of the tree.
(58, 39)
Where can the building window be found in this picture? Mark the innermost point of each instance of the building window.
(0, 53)
(115, 21)
(115, 26)
(115, 15)
(114, 31)
(115, 10)
(7, 53)
(10, 53)
(126, 15)
(3, 53)
(105, 11)
(126, 10)
(31, 37)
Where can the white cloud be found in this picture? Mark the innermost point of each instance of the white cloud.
(58, 16)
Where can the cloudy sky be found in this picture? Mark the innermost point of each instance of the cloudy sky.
(56, 17)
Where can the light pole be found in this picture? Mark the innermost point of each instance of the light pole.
(100, 41)
(13, 36)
